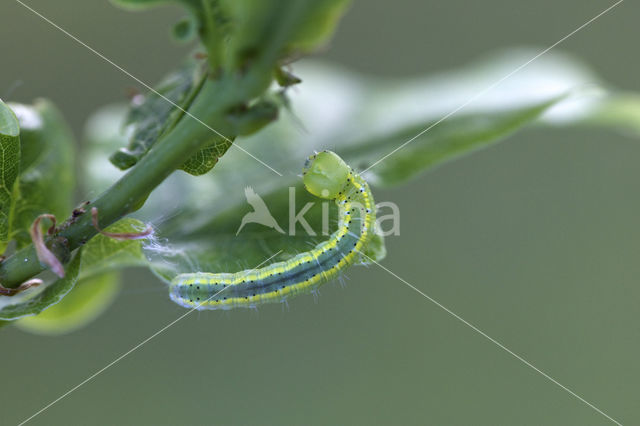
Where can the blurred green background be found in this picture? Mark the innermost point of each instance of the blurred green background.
(535, 241)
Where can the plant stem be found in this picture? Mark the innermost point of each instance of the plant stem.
(171, 151)
(127, 193)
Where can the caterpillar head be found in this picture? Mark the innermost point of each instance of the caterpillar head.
(325, 174)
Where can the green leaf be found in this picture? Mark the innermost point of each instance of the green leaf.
(9, 169)
(84, 303)
(206, 158)
(185, 30)
(154, 114)
(253, 22)
(319, 25)
(186, 248)
(218, 246)
(32, 302)
(102, 253)
(47, 177)
(363, 119)
(252, 119)
(446, 141)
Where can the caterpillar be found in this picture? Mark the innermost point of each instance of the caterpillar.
(324, 175)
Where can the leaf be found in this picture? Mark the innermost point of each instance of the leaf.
(217, 246)
(363, 118)
(47, 178)
(84, 303)
(210, 243)
(444, 142)
(152, 115)
(351, 121)
(26, 304)
(185, 30)
(9, 169)
(179, 250)
(319, 26)
(102, 254)
(253, 18)
(205, 159)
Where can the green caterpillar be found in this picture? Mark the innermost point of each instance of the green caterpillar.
(325, 175)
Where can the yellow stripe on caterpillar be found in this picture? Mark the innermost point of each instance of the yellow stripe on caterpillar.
(325, 175)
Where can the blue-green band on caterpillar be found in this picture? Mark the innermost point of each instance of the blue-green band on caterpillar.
(325, 175)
